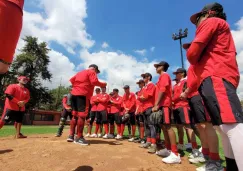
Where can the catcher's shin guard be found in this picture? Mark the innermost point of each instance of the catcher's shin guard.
(61, 126)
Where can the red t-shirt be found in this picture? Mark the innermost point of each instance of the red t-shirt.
(19, 3)
(103, 100)
(19, 94)
(148, 93)
(116, 105)
(219, 57)
(129, 101)
(164, 85)
(177, 90)
(192, 82)
(93, 104)
(139, 104)
(83, 83)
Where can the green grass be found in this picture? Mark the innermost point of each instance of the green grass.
(9, 130)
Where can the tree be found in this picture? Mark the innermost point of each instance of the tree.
(32, 62)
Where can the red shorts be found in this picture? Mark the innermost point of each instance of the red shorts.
(221, 101)
(10, 28)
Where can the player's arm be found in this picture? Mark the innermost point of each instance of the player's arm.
(149, 92)
(64, 103)
(72, 80)
(9, 92)
(95, 81)
(104, 99)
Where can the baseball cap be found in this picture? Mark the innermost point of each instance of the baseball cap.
(23, 77)
(162, 63)
(95, 66)
(179, 70)
(209, 7)
(126, 87)
(146, 75)
(140, 81)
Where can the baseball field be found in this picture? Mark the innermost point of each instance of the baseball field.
(41, 151)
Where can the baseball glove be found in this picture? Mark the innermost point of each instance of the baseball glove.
(156, 117)
(125, 117)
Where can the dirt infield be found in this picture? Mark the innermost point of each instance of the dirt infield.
(48, 153)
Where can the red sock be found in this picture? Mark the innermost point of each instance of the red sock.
(80, 127)
(112, 129)
(194, 145)
(141, 131)
(97, 126)
(106, 128)
(153, 140)
(148, 139)
(122, 129)
(181, 141)
(133, 130)
(205, 151)
(118, 129)
(73, 124)
(174, 149)
(214, 156)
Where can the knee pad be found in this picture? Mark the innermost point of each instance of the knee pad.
(62, 121)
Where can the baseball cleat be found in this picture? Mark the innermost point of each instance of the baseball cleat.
(131, 139)
(87, 135)
(99, 135)
(152, 149)
(81, 141)
(94, 136)
(119, 137)
(70, 138)
(172, 159)
(146, 145)
(105, 136)
(111, 136)
(163, 153)
(211, 166)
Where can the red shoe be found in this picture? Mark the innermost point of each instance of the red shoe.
(21, 136)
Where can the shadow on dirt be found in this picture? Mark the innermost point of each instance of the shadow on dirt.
(5, 151)
(84, 168)
(105, 142)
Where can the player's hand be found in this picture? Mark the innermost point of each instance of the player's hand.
(21, 103)
(155, 108)
(183, 95)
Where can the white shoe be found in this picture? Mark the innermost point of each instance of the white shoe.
(118, 137)
(181, 147)
(198, 159)
(87, 135)
(172, 159)
(200, 149)
(131, 139)
(188, 146)
(94, 136)
(195, 153)
(111, 136)
(105, 136)
(99, 135)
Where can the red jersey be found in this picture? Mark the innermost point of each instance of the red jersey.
(64, 102)
(192, 82)
(83, 83)
(19, 3)
(219, 56)
(116, 105)
(177, 90)
(93, 104)
(148, 94)
(129, 102)
(19, 94)
(139, 104)
(164, 85)
(103, 100)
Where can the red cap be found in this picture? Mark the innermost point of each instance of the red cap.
(23, 77)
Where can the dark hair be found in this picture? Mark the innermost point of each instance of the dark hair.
(116, 90)
(216, 11)
(165, 68)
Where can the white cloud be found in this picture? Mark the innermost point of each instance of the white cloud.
(152, 48)
(141, 52)
(105, 45)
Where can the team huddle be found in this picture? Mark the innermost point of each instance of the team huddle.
(202, 101)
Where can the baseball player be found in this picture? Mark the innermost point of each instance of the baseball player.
(11, 17)
(16, 98)
(66, 112)
(213, 54)
(83, 84)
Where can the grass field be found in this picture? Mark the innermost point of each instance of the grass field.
(28, 130)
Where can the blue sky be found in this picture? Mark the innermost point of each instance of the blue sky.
(130, 25)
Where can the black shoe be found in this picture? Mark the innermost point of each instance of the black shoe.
(70, 138)
(137, 140)
(81, 141)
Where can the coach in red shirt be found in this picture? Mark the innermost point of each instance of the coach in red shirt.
(83, 84)
(213, 54)
(11, 17)
(14, 109)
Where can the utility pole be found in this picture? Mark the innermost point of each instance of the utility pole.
(179, 37)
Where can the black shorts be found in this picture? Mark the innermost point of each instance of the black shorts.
(182, 115)
(166, 115)
(118, 118)
(92, 114)
(12, 115)
(221, 101)
(80, 106)
(132, 119)
(139, 119)
(111, 118)
(66, 114)
(101, 117)
(146, 115)
(198, 111)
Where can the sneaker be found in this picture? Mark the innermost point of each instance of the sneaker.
(146, 145)
(163, 153)
(152, 149)
(81, 141)
(57, 135)
(21, 136)
(70, 138)
(105, 136)
(87, 135)
(181, 147)
(188, 146)
(198, 159)
(118, 137)
(111, 136)
(143, 141)
(200, 149)
(131, 139)
(195, 153)
(94, 136)
(138, 140)
(211, 166)
(99, 135)
(172, 159)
